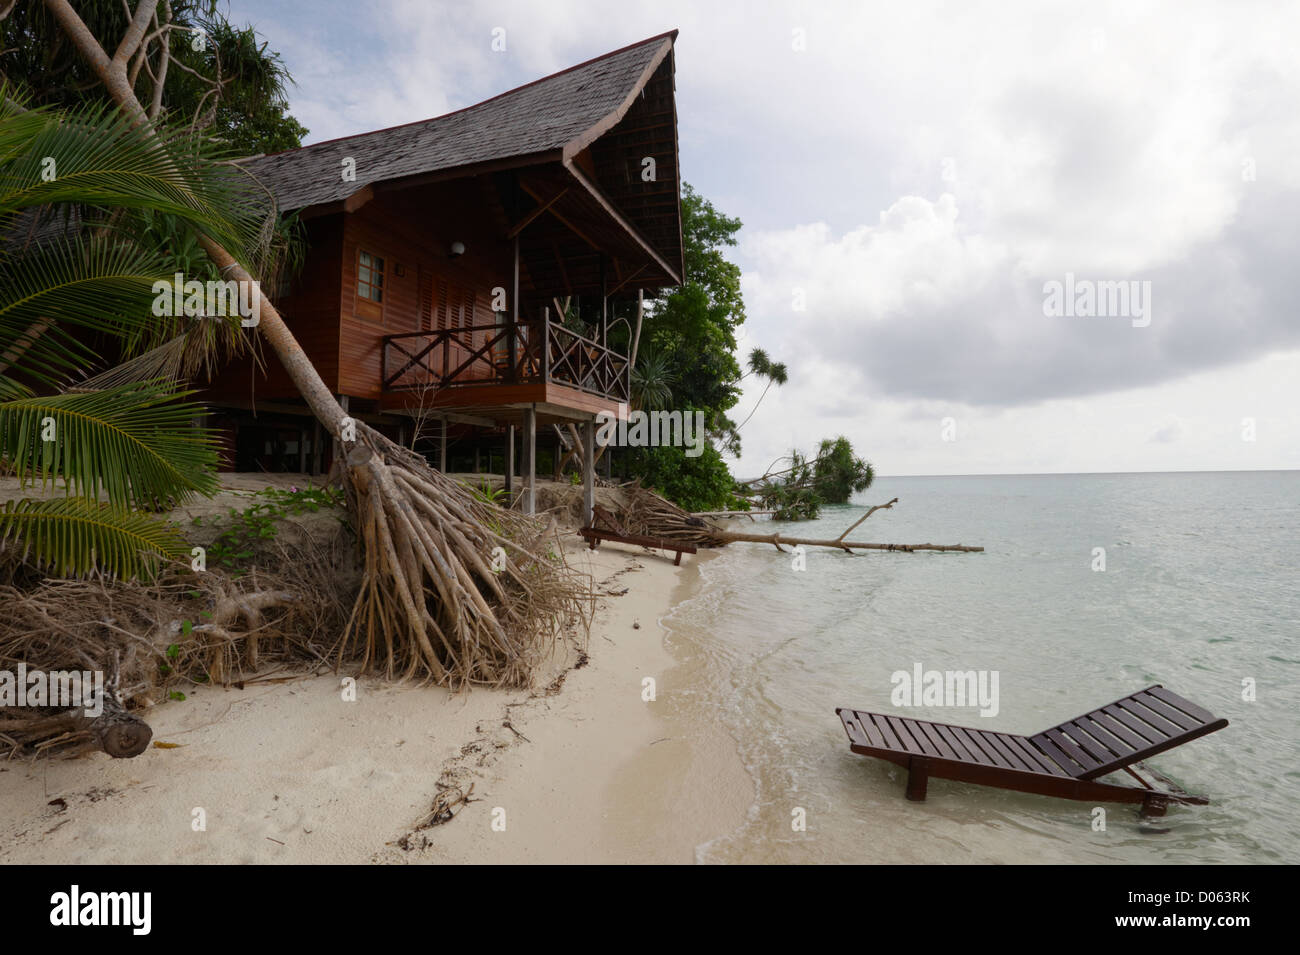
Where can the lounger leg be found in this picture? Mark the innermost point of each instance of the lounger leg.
(918, 775)
(1154, 805)
(678, 561)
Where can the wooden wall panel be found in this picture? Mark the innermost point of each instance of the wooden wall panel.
(310, 310)
(414, 229)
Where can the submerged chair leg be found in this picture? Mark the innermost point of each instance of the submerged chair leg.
(918, 775)
(1154, 805)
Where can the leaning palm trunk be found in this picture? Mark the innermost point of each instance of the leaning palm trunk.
(437, 600)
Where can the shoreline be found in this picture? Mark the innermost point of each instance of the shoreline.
(290, 773)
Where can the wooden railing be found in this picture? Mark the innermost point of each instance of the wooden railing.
(532, 352)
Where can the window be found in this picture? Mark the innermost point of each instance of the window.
(370, 277)
(370, 286)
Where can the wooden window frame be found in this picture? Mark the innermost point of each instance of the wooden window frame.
(364, 307)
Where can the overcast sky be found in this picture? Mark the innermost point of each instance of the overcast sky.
(911, 176)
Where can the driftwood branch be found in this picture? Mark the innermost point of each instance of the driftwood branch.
(878, 507)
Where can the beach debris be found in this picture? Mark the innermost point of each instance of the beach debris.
(136, 634)
(449, 799)
(648, 513)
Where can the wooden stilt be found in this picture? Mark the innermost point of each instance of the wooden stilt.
(510, 463)
(530, 460)
(588, 470)
(442, 447)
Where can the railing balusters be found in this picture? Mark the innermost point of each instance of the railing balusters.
(547, 352)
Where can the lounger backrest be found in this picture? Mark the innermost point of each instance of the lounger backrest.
(1125, 732)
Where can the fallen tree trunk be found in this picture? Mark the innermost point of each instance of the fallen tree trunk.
(649, 514)
(777, 540)
(114, 730)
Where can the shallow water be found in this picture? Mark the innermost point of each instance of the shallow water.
(1198, 594)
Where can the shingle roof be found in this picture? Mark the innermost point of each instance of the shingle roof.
(541, 117)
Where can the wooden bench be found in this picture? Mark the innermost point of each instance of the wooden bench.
(614, 531)
(1066, 760)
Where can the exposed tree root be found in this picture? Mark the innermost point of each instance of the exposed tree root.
(454, 589)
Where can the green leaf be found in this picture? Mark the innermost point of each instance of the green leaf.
(136, 443)
(72, 536)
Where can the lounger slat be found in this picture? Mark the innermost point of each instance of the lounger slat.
(868, 730)
(1145, 730)
(932, 734)
(1071, 767)
(857, 736)
(1182, 720)
(882, 727)
(1038, 758)
(1187, 706)
(917, 729)
(1148, 715)
(1117, 729)
(987, 748)
(1115, 744)
(904, 737)
(1014, 758)
(991, 748)
(972, 746)
(958, 747)
(1089, 742)
(1074, 751)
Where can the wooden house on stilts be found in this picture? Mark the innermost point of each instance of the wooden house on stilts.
(464, 271)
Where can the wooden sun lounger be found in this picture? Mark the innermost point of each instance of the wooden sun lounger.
(613, 531)
(1066, 760)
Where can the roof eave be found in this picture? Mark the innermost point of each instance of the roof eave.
(622, 221)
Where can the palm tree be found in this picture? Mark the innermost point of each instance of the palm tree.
(774, 372)
(130, 443)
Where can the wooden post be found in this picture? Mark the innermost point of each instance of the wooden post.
(317, 452)
(918, 775)
(604, 299)
(302, 450)
(476, 458)
(530, 460)
(512, 335)
(442, 448)
(588, 470)
(510, 462)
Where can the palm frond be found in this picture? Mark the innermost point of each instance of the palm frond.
(95, 157)
(136, 443)
(97, 284)
(72, 537)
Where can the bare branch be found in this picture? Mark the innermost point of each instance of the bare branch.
(164, 58)
(134, 33)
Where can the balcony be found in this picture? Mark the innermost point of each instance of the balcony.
(538, 352)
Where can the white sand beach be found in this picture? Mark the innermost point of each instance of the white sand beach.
(579, 769)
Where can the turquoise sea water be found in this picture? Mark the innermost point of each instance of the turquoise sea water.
(1198, 594)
